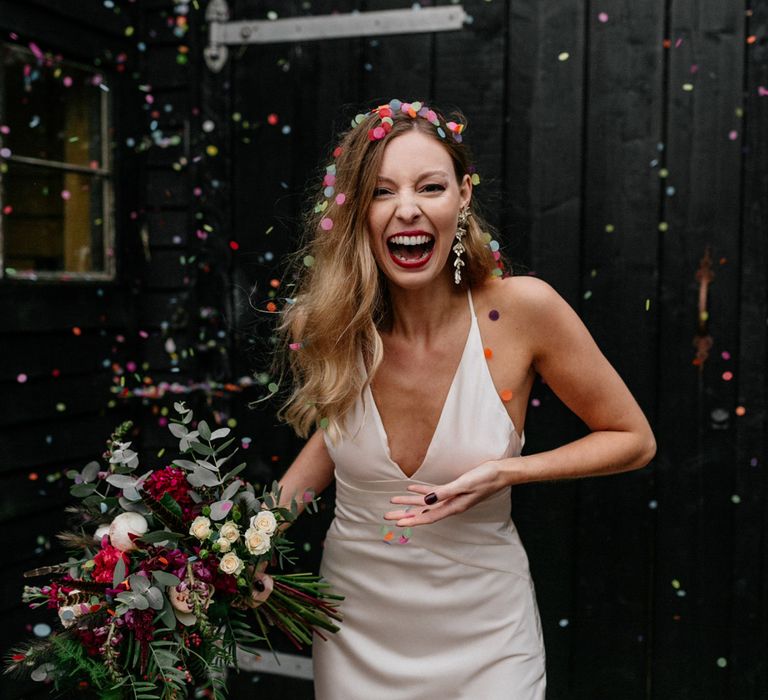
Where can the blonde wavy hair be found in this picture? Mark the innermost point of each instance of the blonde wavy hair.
(341, 299)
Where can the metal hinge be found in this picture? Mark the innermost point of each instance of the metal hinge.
(223, 33)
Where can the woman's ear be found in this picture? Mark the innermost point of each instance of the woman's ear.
(465, 191)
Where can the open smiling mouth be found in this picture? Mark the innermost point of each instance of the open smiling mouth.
(411, 249)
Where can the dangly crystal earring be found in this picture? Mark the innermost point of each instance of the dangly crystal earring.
(458, 248)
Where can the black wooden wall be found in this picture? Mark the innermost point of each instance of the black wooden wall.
(617, 143)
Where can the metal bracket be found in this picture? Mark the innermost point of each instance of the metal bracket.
(223, 33)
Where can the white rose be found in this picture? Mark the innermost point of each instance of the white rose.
(264, 522)
(231, 564)
(257, 542)
(230, 531)
(200, 527)
(224, 544)
(125, 525)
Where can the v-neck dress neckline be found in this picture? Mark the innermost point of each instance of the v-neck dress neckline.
(441, 418)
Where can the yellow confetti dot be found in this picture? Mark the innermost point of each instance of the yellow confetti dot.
(212, 150)
(563, 56)
(610, 228)
(664, 172)
(232, 423)
(475, 179)
(688, 87)
(663, 226)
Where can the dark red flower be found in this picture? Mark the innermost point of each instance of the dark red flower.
(105, 561)
(171, 480)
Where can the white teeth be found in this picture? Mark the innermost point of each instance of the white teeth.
(410, 240)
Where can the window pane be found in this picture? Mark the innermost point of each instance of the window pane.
(56, 223)
(55, 182)
(53, 111)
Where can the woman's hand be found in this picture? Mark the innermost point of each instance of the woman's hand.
(432, 503)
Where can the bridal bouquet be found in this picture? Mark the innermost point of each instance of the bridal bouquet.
(166, 577)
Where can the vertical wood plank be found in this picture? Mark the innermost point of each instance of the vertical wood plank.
(696, 464)
(619, 247)
(749, 619)
(541, 212)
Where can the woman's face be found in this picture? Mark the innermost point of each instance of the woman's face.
(413, 215)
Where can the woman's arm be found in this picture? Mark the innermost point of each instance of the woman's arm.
(565, 355)
(312, 470)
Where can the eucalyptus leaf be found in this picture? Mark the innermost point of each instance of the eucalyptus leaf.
(177, 430)
(234, 472)
(43, 672)
(140, 602)
(231, 490)
(82, 490)
(166, 615)
(166, 579)
(187, 419)
(220, 433)
(159, 537)
(90, 471)
(184, 464)
(204, 430)
(119, 573)
(179, 407)
(139, 584)
(121, 481)
(155, 598)
(220, 509)
(203, 477)
(131, 494)
(126, 597)
(202, 449)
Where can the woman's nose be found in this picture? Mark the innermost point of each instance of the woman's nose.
(407, 208)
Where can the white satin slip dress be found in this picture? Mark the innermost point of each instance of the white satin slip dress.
(440, 611)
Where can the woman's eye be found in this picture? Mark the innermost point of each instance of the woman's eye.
(380, 192)
(433, 187)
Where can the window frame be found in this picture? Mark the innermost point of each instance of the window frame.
(106, 172)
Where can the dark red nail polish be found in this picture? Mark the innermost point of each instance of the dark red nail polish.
(430, 498)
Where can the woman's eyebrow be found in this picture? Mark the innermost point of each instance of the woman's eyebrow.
(421, 176)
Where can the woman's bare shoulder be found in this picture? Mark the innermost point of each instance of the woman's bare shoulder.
(522, 295)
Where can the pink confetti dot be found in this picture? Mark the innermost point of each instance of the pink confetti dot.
(603, 17)
(326, 224)
(4, 129)
(272, 119)
(341, 198)
(130, 366)
(144, 334)
(733, 135)
(727, 376)
(725, 355)
(67, 81)
(66, 195)
(535, 402)
(21, 378)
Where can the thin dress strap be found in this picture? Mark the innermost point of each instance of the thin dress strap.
(471, 305)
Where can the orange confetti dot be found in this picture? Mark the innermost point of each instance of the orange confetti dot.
(740, 410)
(488, 353)
(271, 306)
(275, 458)
(666, 43)
(76, 330)
(389, 536)
(33, 476)
(274, 283)
(506, 395)
(751, 39)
